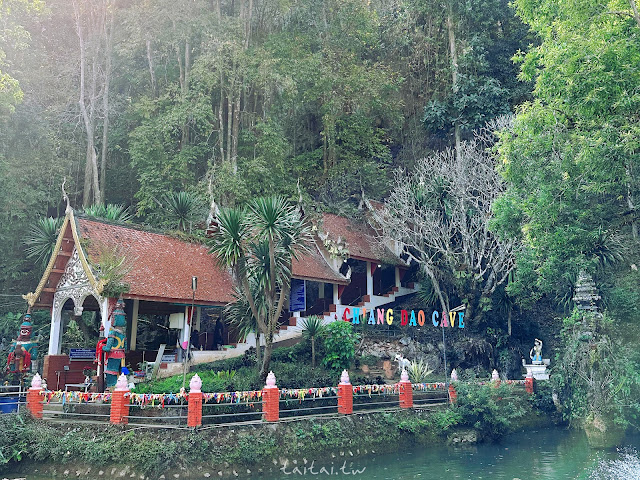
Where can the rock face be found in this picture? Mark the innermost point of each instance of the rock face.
(463, 437)
(602, 432)
(405, 346)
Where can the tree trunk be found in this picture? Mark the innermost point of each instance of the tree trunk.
(631, 205)
(152, 73)
(91, 178)
(247, 26)
(221, 135)
(454, 69)
(258, 349)
(634, 7)
(235, 128)
(509, 321)
(105, 106)
(229, 120)
(185, 90)
(313, 352)
(266, 360)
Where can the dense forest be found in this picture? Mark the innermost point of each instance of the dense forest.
(510, 128)
(131, 101)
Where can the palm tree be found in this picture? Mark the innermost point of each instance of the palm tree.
(42, 238)
(183, 209)
(312, 329)
(259, 243)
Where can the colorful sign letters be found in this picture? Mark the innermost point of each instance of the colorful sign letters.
(413, 318)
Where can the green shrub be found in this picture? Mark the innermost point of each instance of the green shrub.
(220, 381)
(542, 399)
(340, 345)
(445, 420)
(487, 409)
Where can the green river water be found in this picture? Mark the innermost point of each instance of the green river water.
(545, 454)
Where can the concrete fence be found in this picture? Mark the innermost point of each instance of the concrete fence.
(270, 397)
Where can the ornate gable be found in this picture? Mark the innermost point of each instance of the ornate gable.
(74, 284)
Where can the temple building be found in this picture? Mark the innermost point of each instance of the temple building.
(175, 291)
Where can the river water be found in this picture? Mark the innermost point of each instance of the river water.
(551, 454)
(547, 454)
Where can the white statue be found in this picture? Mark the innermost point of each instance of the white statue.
(536, 352)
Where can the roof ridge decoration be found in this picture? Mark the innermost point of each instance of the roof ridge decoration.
(337, 249)
(69, 220)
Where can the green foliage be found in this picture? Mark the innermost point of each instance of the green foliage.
(489, 410)
(595, 374)
(259, 242)
(182, 210)
(446, 420)
(486, 80)
(542, 398)
(113, 265)
(42, 239)
(220, 381)
(571, 157)
(339, 344)
(312, 329)
(110, 211)
(419, 371)
(312, 326)
(15, 35)
(13, 444)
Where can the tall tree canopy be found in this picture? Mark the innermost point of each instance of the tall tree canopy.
(231, 100)
(571, 158)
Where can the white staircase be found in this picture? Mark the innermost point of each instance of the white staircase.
(294, 329)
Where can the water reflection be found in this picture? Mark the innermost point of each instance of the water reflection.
(553, 454)
(547, 454)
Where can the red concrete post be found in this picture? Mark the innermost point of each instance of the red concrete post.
(120, 402)
(495, 378)
(528, 383)
(194, 415)
(345, 394)
(406, 391)
(34, 398)
(271, 400)
(453, 395)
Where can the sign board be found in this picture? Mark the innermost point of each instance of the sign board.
(411, 318)
(297, 299)
(176, 320)
(169, 358)
(82, 354)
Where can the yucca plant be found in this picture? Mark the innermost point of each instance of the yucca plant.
(312, 328)
(239, 315)
(110, 211)
(419, 371)
(259, 243)
(183, 209)
(42, 238)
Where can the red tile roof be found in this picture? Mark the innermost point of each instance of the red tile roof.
(312, 266)
(162, 266)
(360, 238)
